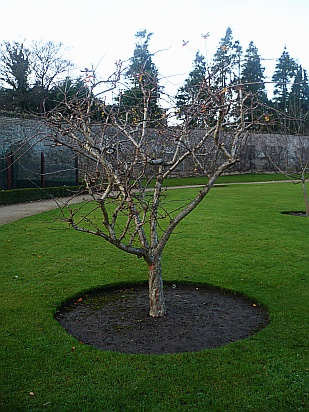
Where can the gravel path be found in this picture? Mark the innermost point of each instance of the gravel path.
(11, 213)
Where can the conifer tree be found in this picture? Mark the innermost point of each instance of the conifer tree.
(227, 59)
(15, 71)
(196, 90)
(142, 76)
(252, 74)
(298, 102)
(192, 92)
(252, 78)
(285, 71)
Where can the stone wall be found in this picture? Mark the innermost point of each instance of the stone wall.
(26, 139)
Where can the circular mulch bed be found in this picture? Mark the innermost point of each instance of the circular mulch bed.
(294, 213)
(198, 317)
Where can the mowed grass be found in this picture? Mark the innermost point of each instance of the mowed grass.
(237, 239)
(229, 178)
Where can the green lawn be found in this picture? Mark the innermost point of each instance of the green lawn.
(236, 239)
(233, 178)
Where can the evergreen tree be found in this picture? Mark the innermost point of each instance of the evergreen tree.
(193, 91)
(285, 71)
(142, 75)
(15, 66)
(252, 77)
(63, 95)
(202, 83)
(298, 102)
(29, 74)
(15, 71)
(227, 59)
(252, 73)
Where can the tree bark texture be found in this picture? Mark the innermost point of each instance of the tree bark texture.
(305, 197)
(156, 296)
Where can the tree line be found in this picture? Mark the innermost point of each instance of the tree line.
(32, 78)
(35, 80)
(287, 111)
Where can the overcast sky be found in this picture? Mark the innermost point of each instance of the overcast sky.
(99, 32)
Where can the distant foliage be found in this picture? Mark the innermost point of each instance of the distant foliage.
(34, 78)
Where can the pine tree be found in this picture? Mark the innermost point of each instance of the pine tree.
(298, 102)
(203, 83)
(15, 67)
(252, 73)
(227, 59)
(15, 71)
(252, 77)
(63, 95)
(285, 71)
(142, 76)
(192, 92)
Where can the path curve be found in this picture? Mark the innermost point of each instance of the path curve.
(10, 213)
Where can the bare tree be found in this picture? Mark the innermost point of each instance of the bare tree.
(48, 68)
(47, 63)
(131, 161)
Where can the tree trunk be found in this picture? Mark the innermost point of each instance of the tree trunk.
(156, 297)
(305, 196)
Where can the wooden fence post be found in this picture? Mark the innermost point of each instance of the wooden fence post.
(9, 168)
(42, 170)
(76, 170)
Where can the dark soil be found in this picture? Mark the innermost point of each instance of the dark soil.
(198, 317)
(294, 213)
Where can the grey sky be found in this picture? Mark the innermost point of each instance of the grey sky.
(100, 31)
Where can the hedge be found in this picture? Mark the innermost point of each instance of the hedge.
(9, 197)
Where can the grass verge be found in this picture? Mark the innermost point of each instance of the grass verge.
(237, 239)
